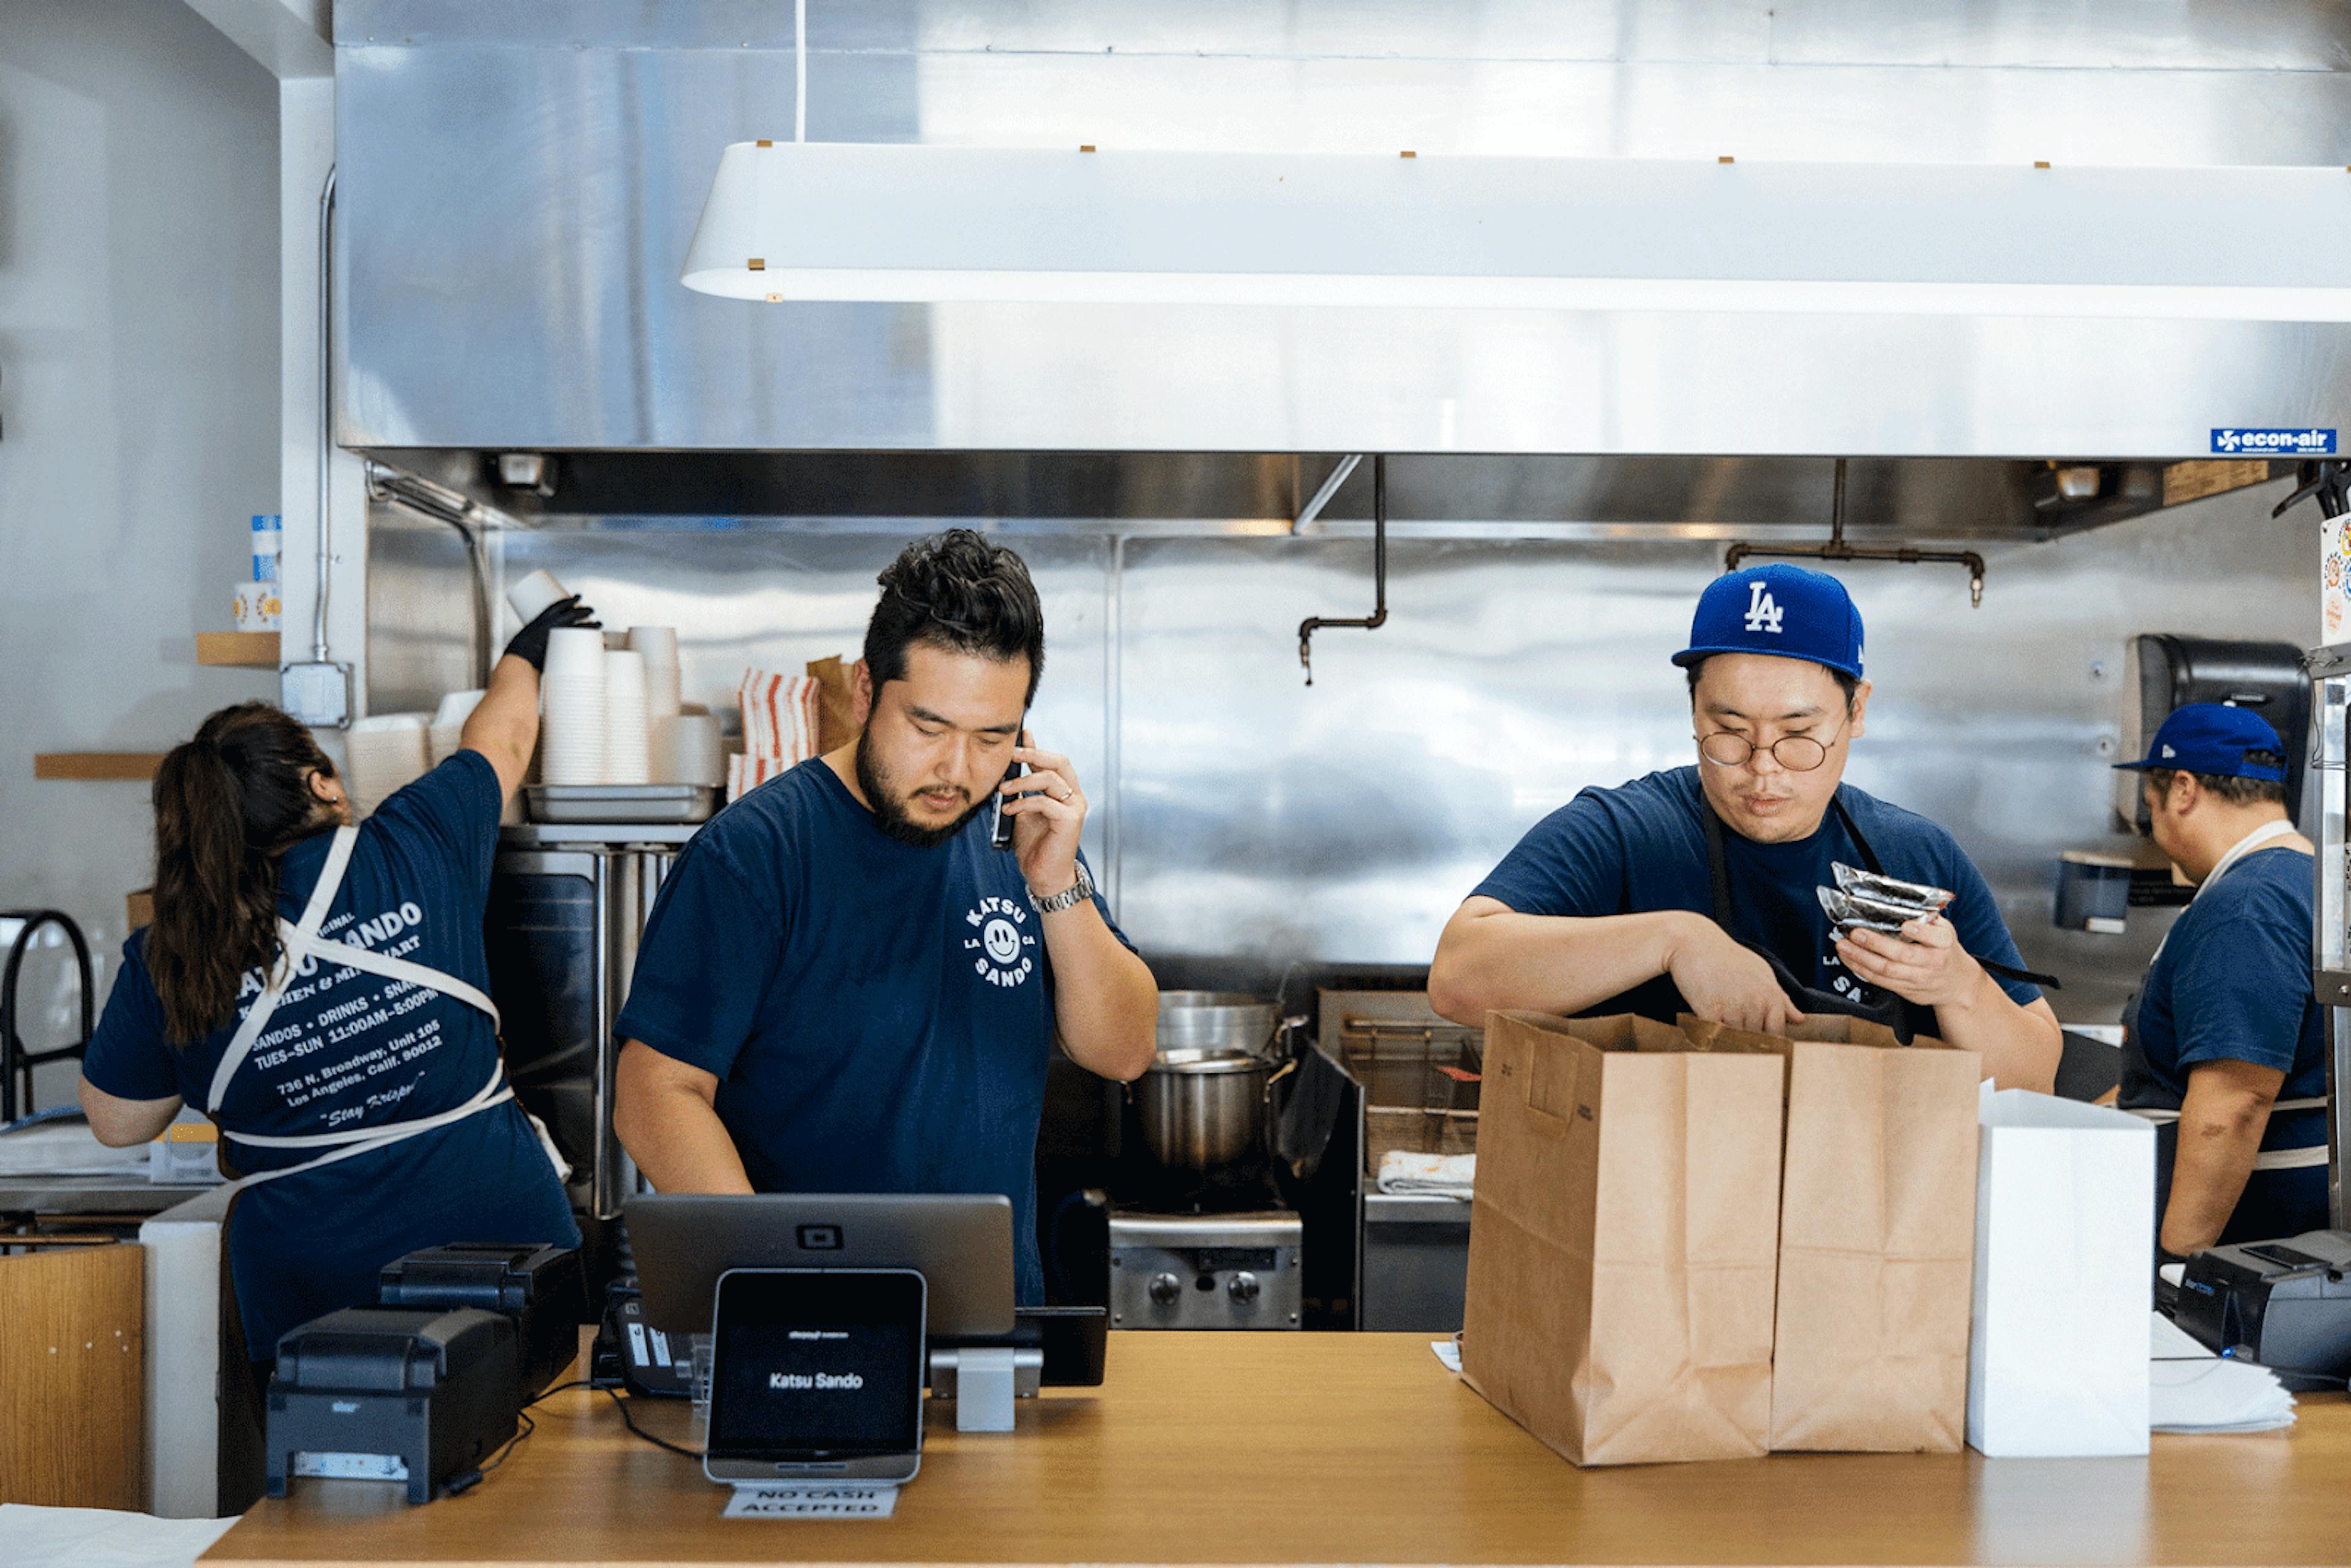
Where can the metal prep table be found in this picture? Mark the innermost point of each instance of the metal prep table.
(91, 1195)
(567, 904)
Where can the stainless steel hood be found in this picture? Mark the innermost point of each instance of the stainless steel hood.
(518, 184)
(1430, 495)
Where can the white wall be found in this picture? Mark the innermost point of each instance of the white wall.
(139, 396)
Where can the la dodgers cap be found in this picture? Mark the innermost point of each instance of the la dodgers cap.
(2213, 738)
(1784, 611)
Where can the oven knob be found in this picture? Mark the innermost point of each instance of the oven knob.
(1242, 1287)
(1166, 1289)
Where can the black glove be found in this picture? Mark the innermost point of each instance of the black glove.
(531, 643)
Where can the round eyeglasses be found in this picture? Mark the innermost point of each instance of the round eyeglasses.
(1796, 753)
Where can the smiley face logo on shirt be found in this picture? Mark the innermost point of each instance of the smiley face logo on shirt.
(1001, 946)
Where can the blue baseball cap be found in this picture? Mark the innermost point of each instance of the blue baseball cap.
(1784, 611)
(2213, 738)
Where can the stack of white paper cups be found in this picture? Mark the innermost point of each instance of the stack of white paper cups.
(571, 700)
(628, 757)
(535, 593)
(688, 749)
(659, 646)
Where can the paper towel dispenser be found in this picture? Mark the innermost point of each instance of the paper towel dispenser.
(2165, 670)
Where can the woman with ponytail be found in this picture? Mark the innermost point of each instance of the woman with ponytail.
(317, 987)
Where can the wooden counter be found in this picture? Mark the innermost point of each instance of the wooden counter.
(1292, 1449)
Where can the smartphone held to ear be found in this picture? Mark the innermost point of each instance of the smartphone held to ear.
(1001, 835)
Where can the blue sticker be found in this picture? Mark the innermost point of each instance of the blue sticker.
(2239, 441)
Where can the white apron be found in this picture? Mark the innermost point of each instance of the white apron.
(302, 940)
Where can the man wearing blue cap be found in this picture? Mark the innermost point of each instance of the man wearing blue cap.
(1695, 889)
(2223, 1046)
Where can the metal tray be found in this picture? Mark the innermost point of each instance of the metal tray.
(600, 803)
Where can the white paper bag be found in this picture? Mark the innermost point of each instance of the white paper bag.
(2057, 1361)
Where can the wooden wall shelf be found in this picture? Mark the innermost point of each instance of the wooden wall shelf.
(131, 767)
(246, 650)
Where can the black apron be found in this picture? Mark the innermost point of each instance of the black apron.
(1906, 1019)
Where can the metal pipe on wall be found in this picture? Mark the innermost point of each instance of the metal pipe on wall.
(1379, 615)
(1838, 549)
(318, 651)
(428, 500)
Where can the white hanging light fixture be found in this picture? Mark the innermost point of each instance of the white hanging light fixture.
(839, 220)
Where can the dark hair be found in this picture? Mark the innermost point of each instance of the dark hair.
(227, 804)
(1848, 685)
(2236, 791)
(956, 591)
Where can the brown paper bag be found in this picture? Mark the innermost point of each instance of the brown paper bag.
(1877, 1230)
(836, 702)
(1622, 1238)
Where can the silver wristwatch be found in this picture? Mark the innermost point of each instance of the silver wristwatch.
(1069, 897)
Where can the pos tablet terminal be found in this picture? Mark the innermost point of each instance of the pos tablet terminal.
(983, 1352)
(815, 1374)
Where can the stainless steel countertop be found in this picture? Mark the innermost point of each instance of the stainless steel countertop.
(554, 835)
(92, 1195)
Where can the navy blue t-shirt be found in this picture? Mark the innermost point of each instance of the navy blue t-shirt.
(879, 1017)
(2232, 982)
(1641, 847)
(349, 1049)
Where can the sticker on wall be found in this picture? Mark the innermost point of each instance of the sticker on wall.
(2265, 441)
(2335, 581)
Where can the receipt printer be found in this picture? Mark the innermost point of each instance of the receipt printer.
(2285, 1304)
(392, 1394)
(541, 1288)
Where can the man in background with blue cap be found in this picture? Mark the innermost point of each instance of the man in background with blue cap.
(2223, 1046)
(1695, 889)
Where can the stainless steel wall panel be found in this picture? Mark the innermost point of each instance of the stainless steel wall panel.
(2245, 35)
(2273, 34)
(514, 223)
(421, 613)
(519, 183)
(1692, 108)
(1246, 822)
(1511, 382)
(1362, 810)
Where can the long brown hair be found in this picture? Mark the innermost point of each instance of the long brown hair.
(227, 804)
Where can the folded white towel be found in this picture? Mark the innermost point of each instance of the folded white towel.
(1403, 1173)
